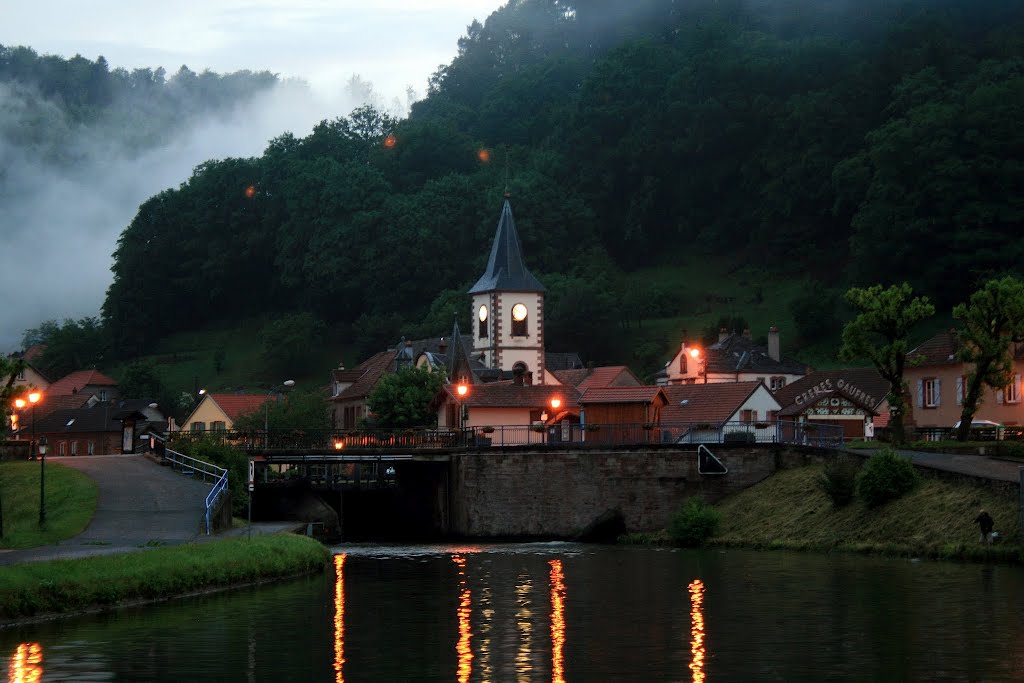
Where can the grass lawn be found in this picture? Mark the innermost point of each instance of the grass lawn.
(68, 586)
(935, 519)
(70, 503)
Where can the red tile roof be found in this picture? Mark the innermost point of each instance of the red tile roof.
(364, 377)
(940, 349)
(594, 378)
(711, 403)
(235, 405)
(77, 381)
(642, 394)
(506, 395)
(571, 377)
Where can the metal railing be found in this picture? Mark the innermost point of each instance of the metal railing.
(550, 435)
(192, 467)
(994, 433)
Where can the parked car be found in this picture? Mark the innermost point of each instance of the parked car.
(984, 430)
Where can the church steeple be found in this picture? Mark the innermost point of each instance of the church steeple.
(508, 308)
(505, 268)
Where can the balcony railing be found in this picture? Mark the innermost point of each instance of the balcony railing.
(552, 435)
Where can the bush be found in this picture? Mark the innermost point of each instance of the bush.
(839, 481)
(886, 476)
(740, 437)
(694, 523)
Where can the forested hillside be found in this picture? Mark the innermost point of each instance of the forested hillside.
(854, 142)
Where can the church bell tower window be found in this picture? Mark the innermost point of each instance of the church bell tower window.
(481, 315)
(519, 315)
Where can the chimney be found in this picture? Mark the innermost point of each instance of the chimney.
(722, 334)
(528, 378)
(773, 344)
(517, 379)
(442, 347)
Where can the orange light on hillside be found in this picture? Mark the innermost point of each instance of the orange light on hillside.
(390, 141)
(250, 191)
(484, 155)
(555, 403)
(695, 353)
(462, 390)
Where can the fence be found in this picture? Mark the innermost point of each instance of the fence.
(545, 435)
(191, 467)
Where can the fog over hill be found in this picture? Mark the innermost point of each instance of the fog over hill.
(67, 193)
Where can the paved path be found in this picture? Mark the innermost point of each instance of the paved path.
(141, 504)
(980, 466)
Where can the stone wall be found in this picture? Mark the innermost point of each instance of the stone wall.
(557, 494)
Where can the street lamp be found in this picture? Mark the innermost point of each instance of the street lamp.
(19, 403)
(287, 384)
(701, 370)
(42, 482)
(462, 390)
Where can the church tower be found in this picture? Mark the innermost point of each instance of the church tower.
(508, 307)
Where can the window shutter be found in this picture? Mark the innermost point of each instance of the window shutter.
(959, 390)
(938, 392)
(920, 393)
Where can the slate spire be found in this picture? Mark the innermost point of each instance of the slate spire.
(505, 268)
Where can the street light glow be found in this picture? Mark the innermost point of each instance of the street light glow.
(556, 402)
(34, 397)
(462, 389)
(695, 353)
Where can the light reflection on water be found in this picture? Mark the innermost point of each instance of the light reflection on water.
(562, 612)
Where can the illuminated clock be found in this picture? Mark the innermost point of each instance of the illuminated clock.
(519, 313)
(482, 313)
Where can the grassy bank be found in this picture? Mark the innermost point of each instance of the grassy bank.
(69, 586)
(788, 510)
(70, 503)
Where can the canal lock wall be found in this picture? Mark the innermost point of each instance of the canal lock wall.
(556, 494)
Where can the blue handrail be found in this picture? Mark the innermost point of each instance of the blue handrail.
(190, 466)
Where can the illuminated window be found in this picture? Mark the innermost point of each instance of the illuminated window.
(931, 393)
(519, 316)
(481, 315)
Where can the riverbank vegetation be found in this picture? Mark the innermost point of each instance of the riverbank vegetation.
(935, 519)
(68, 586)
(70, 504)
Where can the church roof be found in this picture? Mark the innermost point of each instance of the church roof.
(505, 269)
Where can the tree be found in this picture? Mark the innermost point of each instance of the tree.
(300, 410)
(992, 321)
(880, 334)
(403, 399)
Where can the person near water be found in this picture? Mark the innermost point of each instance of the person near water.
(985, 523)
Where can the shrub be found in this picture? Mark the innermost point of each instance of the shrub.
(839, 481)
(694, 523)
(886, 476)
(740, 437)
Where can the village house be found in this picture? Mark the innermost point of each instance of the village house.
(937, 384)
(100, 428)
(218, 412)
(852, 398)
(713, 412)
(733, 358)
(31, 377)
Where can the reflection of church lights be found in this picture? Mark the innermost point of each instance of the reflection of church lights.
(697, 629)
(557, 622)
(26, 664)
(524, 624)
(463, 648)
(339, 618)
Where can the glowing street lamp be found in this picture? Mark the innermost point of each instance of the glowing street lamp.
(462, 390)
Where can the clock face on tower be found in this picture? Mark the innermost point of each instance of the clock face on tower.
(519, 313)
(482, 313)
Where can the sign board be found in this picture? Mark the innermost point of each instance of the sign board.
(252, 475)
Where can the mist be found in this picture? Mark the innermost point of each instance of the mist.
(60, 222)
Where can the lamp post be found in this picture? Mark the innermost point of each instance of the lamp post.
(42, 482)
(19, 403)
(695, 354)
(287, 384)
(462, 390)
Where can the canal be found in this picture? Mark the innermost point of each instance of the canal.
(560, 612)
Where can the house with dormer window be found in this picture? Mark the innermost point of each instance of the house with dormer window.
(733, 358)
